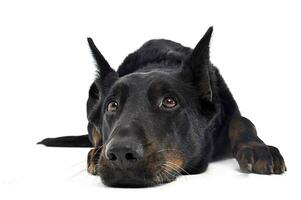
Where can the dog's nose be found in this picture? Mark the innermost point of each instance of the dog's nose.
(124, 154)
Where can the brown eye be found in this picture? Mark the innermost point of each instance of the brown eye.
(112, 106)
(169, 102)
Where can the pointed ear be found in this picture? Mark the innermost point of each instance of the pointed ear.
(106, 75)
(200, 63)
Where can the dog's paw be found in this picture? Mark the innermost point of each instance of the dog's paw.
(92, 161)
(260, 158)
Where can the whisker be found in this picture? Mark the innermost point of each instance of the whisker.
(166, 170)
(166, 150)
(161, 178)
(100, 147)
(94, 154)
(76, 164)
(173, 168)
(178, 167)
(166, 176)
(76, 174)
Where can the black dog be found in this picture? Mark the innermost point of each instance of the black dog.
(166, 111)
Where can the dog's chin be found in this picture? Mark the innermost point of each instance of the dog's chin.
(127, 182)
(130, 182)
(133, 179)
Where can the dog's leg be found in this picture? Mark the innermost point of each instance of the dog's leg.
(252, 154)
(94, 154)
(92, 161)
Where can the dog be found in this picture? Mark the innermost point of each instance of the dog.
(165, 112)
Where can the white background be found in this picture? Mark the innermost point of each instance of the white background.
(46, 69)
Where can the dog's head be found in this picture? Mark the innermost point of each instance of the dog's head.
(151, 125)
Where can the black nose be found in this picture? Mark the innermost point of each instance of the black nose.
(124, 154)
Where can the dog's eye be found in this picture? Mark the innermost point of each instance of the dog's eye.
(169, 102)
(112, 106)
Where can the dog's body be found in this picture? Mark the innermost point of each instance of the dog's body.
(166, 111)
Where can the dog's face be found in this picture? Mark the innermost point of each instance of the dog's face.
(151, 123)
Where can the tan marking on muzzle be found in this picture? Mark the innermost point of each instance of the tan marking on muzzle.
(174, 160)
(96, 137)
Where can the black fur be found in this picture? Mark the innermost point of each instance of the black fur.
(204, 125)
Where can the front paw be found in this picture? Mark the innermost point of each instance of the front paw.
(92, 161)
(260, 158)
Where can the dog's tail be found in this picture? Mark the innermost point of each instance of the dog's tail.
(67, 141)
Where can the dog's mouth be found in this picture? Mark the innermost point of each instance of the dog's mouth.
(135, 178)
(139, 177)
(156, 169)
